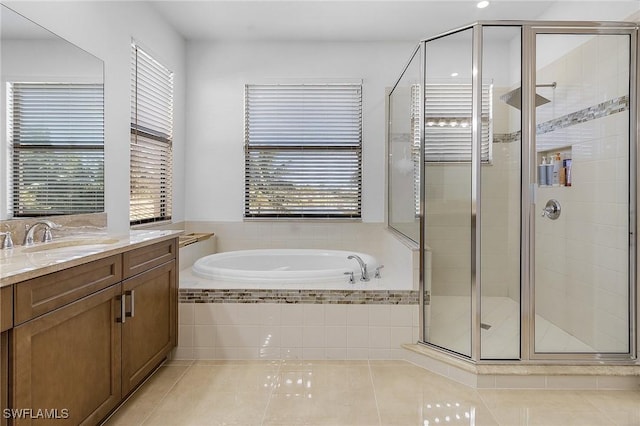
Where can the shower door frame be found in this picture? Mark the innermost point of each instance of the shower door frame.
(529, 33)
(529, 30)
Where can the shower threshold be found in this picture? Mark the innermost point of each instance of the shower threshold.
(519, 375)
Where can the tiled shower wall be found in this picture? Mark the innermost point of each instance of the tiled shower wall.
(581, 258)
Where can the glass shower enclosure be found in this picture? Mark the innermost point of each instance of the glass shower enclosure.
(512, 163)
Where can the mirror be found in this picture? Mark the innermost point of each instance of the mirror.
(51, 123)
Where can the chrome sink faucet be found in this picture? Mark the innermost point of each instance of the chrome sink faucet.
(7, 242)
(46, 236)
(364, 274)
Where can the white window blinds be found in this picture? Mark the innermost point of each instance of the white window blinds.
(56, 141)
(416, 131)
(448, 123)
(151, 139)
(448, 127)
(303, 151)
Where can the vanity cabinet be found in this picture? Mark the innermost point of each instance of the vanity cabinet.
(83, 338)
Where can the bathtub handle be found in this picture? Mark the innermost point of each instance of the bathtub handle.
(351, 280)
(377, 273)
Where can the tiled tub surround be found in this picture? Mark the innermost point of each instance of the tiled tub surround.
(360, 321)
(283, 330)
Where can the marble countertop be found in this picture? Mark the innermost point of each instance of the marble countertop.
(22, 263)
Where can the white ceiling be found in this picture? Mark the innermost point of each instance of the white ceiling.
(335, 20)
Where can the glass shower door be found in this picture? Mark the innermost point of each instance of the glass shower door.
(447, 180)
(500, 193)
(581, 195)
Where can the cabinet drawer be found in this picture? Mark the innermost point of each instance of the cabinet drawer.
(40, 295)
(144, 258)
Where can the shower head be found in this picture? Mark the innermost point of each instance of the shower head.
(514, 97)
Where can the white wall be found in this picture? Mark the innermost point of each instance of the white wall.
(217, 73)
(105, 29)
(53, 60)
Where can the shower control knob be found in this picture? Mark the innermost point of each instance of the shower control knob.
(551, 209)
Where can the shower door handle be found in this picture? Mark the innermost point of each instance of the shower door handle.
(551, 209)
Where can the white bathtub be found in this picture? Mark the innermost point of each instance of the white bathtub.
(287, 267)
(283, 266)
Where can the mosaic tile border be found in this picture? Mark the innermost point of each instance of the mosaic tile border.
(506, 137)
(341, 297)
(600, 110)
(603, 109)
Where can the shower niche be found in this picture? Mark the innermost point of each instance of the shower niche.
(554, 167)
(470, 119)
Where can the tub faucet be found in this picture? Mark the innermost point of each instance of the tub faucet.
(364, 275)
(46, 236)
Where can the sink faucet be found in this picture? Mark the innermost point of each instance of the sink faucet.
(364, 275)
(7, 243)
(46, 236)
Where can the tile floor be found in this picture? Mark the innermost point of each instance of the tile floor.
(293, 392)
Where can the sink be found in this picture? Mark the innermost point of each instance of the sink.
(67, 245)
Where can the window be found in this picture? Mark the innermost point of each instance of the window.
(448, 127)
(56, 141)
(448, 123)
(303, 151)
(151, 139)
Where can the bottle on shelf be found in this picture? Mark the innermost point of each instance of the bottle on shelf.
(542, 172)
(557, 165)
(567, 167)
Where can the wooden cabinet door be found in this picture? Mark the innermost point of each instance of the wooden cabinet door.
(69, 362)
(149, 331)
(4, 376)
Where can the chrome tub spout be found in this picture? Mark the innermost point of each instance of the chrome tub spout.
(364, 274)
